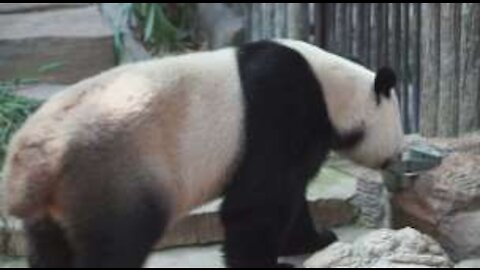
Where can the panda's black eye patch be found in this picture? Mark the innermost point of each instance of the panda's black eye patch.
(384, 81)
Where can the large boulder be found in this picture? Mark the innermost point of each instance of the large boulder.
(385, 248)
(445, 202)
(370, 195)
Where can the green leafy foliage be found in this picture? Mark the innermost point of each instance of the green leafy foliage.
(14, 110)
(163, 26)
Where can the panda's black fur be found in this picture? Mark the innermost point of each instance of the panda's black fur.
(287, 136)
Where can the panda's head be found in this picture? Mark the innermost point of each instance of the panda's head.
(375, 138)
(362, 106)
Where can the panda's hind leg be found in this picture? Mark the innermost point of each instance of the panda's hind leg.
(47, 245)
(114, 215)
(121, 236)
(255, 219)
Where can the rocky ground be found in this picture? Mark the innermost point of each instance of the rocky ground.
(210, 256)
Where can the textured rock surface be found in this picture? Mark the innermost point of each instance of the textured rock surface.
(370, 197)
(445, 202)
(385, 249)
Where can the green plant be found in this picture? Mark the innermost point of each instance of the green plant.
(15, 109)
(163, 26)
(31, 76)
(13, 112)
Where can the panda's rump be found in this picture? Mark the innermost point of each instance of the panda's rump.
(179, 121)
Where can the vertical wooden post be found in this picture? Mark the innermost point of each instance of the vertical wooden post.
(429, 72)
(298, 21)
(469, 82)
(320, 24)
(415, 66)
(448, 103)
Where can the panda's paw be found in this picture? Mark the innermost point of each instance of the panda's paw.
(283, 265)
(249, 263)
(326, 238)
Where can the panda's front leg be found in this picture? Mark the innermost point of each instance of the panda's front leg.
(252, 238)
(302, 237)
(255, 214)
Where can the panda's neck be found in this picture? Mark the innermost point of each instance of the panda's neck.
(346, 86)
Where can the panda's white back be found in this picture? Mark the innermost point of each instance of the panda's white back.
(203, 122)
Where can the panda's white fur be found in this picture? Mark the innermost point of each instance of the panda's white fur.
(184, 112)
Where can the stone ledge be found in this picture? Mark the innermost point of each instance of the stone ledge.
(77, 41)
(8, 8)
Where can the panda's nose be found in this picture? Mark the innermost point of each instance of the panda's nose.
(386, 164)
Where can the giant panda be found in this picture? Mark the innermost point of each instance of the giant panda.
(102, 169)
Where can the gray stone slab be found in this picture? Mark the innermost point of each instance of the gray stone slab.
(7, 8)
(77, 43)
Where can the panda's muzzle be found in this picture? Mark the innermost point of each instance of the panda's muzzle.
(387, 163)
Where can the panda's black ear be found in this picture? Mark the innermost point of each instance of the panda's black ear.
(384, 81)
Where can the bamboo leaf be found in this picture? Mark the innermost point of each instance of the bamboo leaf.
(150, 24)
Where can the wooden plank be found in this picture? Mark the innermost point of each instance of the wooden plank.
(366, 33)
(373, 36)
(318, 24)
(448, 103)
(298, 21)
(379, 21)
(429, 72)
(280, 21)
(469, 82)
(415, 67)
(333, 28)
(255, 25)
(248, 21)
(348, 34)
(265, 22)
(405, 79)
(271, 20)
(338, 47)
(391, 36)
(356, 29)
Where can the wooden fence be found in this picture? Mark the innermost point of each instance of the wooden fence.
(434, 48)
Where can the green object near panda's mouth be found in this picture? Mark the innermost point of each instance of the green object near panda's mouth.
(416, 159)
